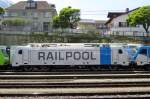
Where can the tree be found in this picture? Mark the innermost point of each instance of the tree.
(2, 11)
(56, 22)
(140, 16)
(67, 18)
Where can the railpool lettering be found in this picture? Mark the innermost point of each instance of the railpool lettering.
(60, 56)
(66, 56)
(77, 55)
(85, 56)
(92, 57)
(50, 56)
(41, 56)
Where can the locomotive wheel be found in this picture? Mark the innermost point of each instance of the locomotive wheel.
(45, 69)
(96, 68)
(147, 67)
(113, 68)
(93, 68)
(99, 68)
(35, 69)
(27, 68)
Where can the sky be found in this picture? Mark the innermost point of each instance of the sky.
(97, 9)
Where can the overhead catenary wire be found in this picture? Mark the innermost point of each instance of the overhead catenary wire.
(98, 12)
(102, 10)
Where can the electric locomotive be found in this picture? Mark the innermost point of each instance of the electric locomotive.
(95, 56)
(65, 55)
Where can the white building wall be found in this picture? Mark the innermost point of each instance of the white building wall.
(37, 18)
(115, 29)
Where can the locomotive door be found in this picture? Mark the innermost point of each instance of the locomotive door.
(115, 56)
(142, 58)
(121, 57)
(25, 57)
(105, 55)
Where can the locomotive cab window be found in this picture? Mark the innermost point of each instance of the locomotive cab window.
(20, 52)
(143, 52)
(8, 50)
(120, 51)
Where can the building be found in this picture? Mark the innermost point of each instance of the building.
(92, 25)
(117, 24)
(1, 18)
(36, 16)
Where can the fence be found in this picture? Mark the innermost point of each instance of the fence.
(67, 35)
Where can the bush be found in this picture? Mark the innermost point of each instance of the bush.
(15, 22)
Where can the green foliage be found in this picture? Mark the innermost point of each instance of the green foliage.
(56, 22)
(67, 18)
(15, 22)
(2, 11)
(3, 57)
(140, 16)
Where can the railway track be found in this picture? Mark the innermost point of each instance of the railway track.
(75, 96)
(83, 85)
(103, 93)
(74, 76)
(7, 72)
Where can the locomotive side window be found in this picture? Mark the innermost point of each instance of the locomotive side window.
(120, 51)
(20, 52)
(143, 52)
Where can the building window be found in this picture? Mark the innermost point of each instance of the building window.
(35, 14)
(53, 6)
(46, 15)
(123, 24)
(31, 14)
(138, 25)
(24, 14)
(31, 5)
(6, 14)
(11, 14)
(46, 26)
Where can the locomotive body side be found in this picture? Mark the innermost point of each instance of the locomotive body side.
(65, 56)
(56, 56)
(69, 55)
(120, 56)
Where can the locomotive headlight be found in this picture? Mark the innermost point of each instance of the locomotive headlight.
(138, 62)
